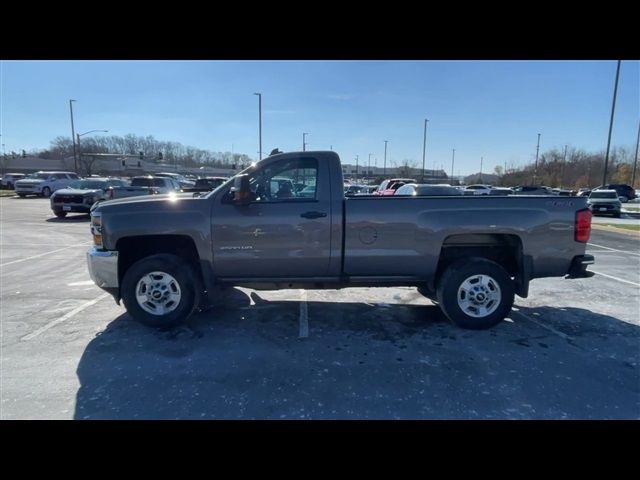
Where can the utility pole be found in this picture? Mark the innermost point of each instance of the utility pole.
(331, 147)
(635, 162)
(73, 137)
(384, 170)
(424, 147)
(356, 180)
(369, 165)
(259, 124)
(613, 109)
(564, 161)
(481, 159)
(304, 145)
(453, 158)
(535, 172)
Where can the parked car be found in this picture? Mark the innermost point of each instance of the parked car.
(532, 190)
(605, 202)
(43, 184)
(583, 192)
(625, 192)
(9, 179)
(477, 190)
(145, 185)
(81, 194)
(389, 187)
(165, 255)
(205, 184)
(356, 189)
(181, 179)
(415, 189)
(500, 191)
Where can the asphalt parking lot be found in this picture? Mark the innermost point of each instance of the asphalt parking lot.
(569, 351)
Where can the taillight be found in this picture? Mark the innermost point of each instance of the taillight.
(583, 225)
(110, 193)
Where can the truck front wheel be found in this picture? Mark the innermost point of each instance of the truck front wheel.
(160, 291)
(475, 293)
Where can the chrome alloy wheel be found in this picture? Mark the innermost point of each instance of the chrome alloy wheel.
(479, 296)
(158, 293)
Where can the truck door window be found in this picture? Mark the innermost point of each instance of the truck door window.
(286, 180)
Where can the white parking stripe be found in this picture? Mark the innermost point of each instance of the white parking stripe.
(614, 249)
(615, 278)
(80, 284)
(304, 315)
(546, 327)
(64, 318)
(36, 256)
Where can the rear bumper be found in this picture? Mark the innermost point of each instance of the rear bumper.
(579, 264)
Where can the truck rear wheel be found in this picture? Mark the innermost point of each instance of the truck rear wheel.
(475, 293)
(160, 291)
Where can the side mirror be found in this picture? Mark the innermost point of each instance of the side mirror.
(240, 190)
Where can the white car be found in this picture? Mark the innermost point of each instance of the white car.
(43, 184)
(478, 190)
(9, 179)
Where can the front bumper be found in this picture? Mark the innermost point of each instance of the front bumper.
(71, 207)
(604, 208)
(103, 268)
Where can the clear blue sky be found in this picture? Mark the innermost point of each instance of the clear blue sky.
(493, 109)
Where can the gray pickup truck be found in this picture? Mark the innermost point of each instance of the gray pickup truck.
(166, 254)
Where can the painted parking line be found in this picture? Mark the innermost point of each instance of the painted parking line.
(64, 318)
(540, 324)
(615, 278)
(37, 256)
(304, 315)
(614, 249)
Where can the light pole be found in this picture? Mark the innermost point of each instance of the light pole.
(259, 124)
(564, 161)
(613, 109)
(82, 135)
(369, 165)
(384, 170)
(356, 169)
(304, 145)
(453, 159)
(535, 171)
(73, 136)
(481, 159)
(424, 147)
(635, 162)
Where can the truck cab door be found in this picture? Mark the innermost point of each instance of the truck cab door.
(280, 232)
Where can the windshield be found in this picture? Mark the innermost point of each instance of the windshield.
(39, 176)
(88, 185)
(603, 195)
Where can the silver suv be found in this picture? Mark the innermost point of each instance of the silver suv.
(605, 202)
(43, 184)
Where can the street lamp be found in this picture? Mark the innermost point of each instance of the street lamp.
(535, 171)
(369, 165)
(424, 146)
(259, 123)
(304, 145)
(384, 170)
(613, 109)
(82, 135)
(73, 136)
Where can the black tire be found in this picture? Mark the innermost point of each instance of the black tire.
(9, 186)
(183, 274)
(60, 214)
(22, 195)
(616, 215)
(453, 278)
(46, 192)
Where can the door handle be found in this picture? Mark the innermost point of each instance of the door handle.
(313, 214)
